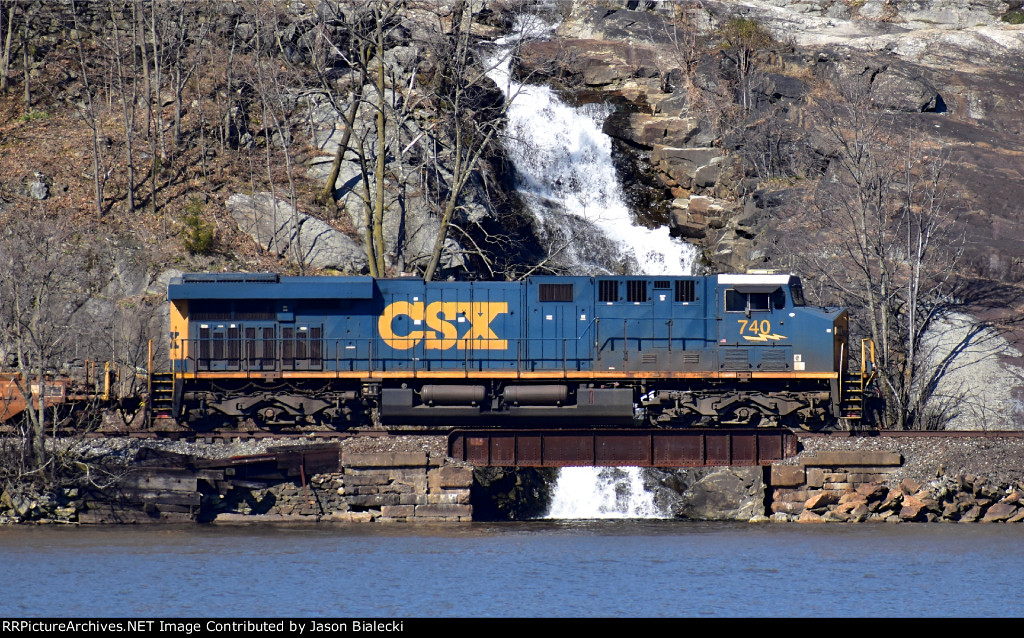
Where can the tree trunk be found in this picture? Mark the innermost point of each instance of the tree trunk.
(378, 216)
(371, 254)
(127, 105)
(5, 65)
(24, 57)
(327, 194)
(157, 62)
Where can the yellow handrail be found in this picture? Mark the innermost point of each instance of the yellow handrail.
(867, 372)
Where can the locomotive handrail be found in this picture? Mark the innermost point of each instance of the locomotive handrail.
(252, 356)
(868, 371)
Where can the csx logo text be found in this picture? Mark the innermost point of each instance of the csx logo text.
(442, 333)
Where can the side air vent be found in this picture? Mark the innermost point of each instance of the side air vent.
(773, 359)
(636, 290)
(554, 292)
(685, 291)
(607, 290)
(735, 359)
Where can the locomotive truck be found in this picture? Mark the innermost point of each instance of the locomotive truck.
(662, 351)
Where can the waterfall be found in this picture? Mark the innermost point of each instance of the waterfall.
(602, 492)
(566, 177)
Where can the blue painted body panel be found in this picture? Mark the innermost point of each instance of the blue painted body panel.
(576, 324)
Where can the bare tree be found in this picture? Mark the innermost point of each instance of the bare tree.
(5, 61)
(185, 42)
(354, 52)
(50, 273)
(897, 235)
(742, 38)
(470, 116)
(123, 337)
(125, 67)
(384, 14)
(270, 76)
(90, 111)
(26, 81)
(368, 31)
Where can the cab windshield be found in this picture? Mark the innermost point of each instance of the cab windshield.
(796, 290)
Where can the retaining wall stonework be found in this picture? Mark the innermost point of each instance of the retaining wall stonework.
(372, 487)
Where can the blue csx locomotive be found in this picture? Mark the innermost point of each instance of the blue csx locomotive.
(548, 351)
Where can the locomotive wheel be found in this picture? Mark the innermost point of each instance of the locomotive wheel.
(740, 416)
(794, 421)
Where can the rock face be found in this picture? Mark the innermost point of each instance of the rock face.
(511, 494)
(736, 159)
(38, 186)
(409, 226)
(278, 228)
(709, 494)
(922, 57)
(419, 155)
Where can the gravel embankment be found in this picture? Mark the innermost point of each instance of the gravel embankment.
(1000, 460)
(126, 448)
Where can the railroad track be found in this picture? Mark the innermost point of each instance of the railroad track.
(226, 436)
(229, 436)
(924, 434)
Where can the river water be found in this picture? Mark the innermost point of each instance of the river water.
(631, 568)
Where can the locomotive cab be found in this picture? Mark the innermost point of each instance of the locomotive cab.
(764, 323)
(787, 357)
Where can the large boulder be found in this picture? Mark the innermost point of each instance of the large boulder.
(622, 24)
(646, 131)
(887, 84)
(715, 493)
(901, 90)
(279, 228)
(680, 165)
(411, 222)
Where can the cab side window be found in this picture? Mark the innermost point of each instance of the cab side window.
(735, 301)
(754, 301)
(778, 299)
(759, 301)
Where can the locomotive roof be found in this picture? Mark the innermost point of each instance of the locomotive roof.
(780, 280)
(267, 286)
(272, 285)
(756, 282)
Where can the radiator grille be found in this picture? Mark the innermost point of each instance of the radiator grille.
(736, 359)
(773, 359)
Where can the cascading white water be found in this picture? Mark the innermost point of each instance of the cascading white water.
(602, 492)
(566, 176)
